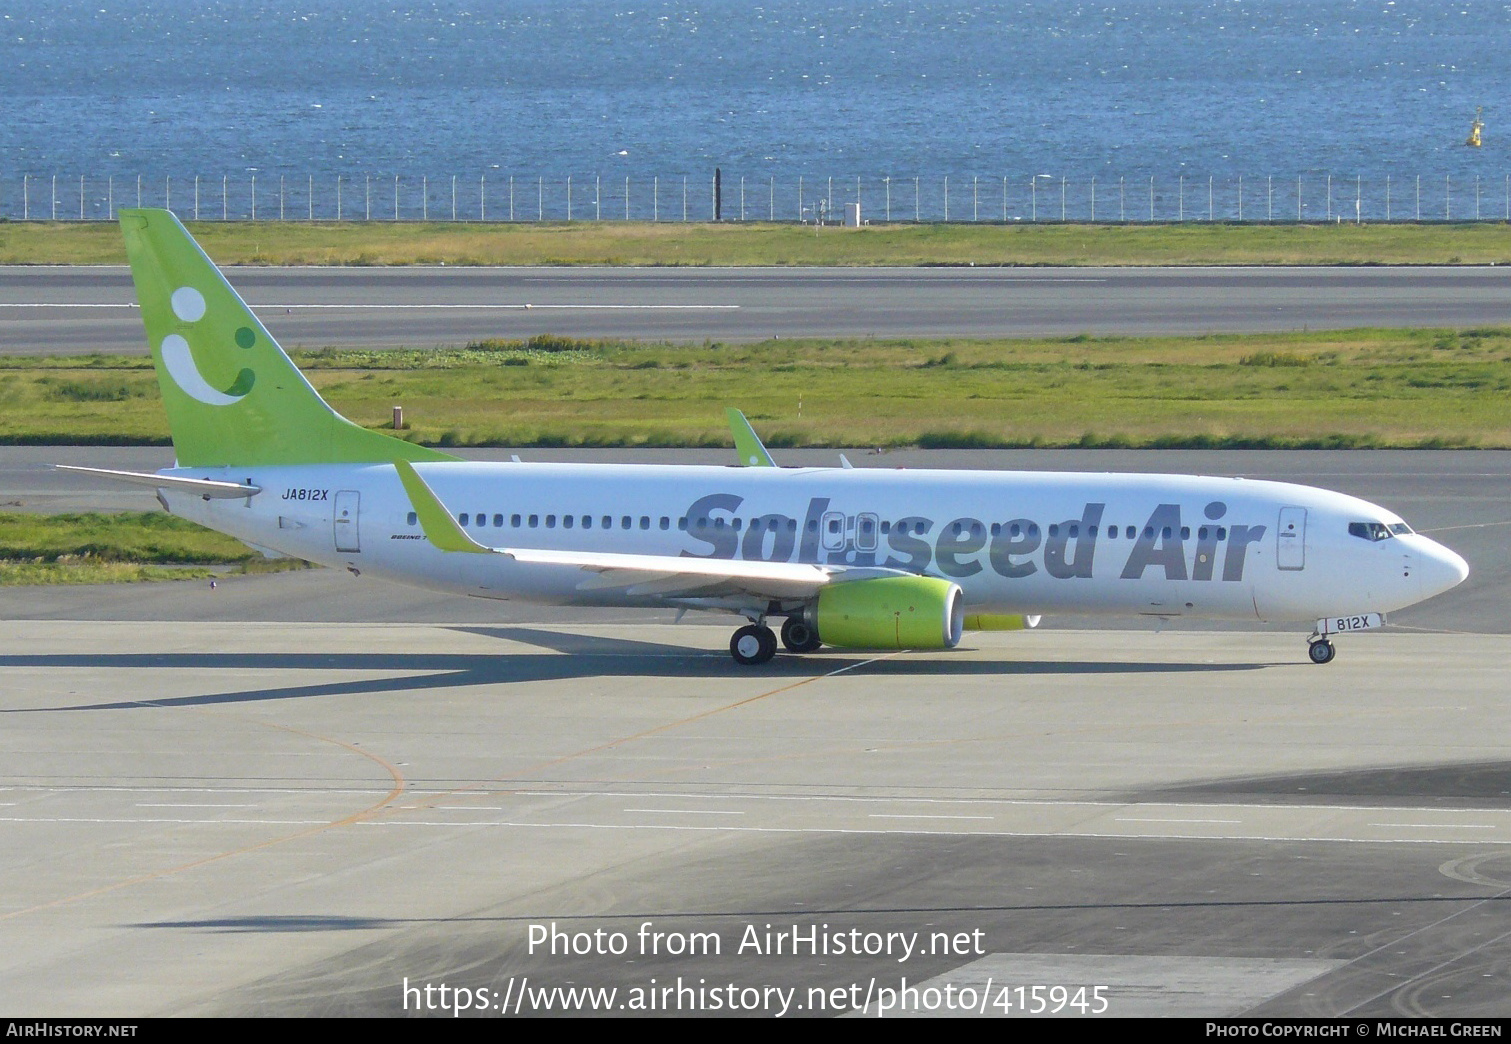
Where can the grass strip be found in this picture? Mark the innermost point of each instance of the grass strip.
(706, 244)
(1392, 388)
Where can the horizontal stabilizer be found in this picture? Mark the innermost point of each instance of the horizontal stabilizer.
(201, 487)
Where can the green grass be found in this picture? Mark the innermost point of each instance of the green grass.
(97, 548)
(1357, 388)
(676, 243)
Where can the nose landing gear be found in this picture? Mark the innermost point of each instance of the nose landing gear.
(1320, 650)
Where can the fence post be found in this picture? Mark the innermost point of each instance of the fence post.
(946, 199)
(453, 197)
(369, 198)
(25, 197)
(1358, 199)
(196, 197)
(424, 197)
(254, 194)
(1329, 197)
(916, 211)
(540, 197)
(396, 197)
(1447, 197)
(280, 197)
(225, 206)
(1151, 199)
(311, 194)
(110, 196)
(1033, 198)
(81, 197)
(1093, 199)
(482, 197)
(887, 183)
(1182, 211)
(1122, 208)
(771, 198)
(684, 197)
(139, 189)
(1062, 198)
(54, 194)
(1269, 197)
(975, 197)
(597, 198)
(1240, 199)
(627, 197)
(1419, 197)
(338, 197)
(1476, 197)
(569, 199)
(1298, 198)
(1387, 199)
(1209, 197)
(800, 198)
(742, 199)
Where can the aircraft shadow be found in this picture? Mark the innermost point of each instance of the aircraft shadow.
(570, 657)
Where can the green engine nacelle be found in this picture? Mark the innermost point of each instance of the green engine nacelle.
(891, 612)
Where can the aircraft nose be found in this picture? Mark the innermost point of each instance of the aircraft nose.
(1440, 569)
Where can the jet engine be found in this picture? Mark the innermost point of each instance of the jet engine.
(890, 612)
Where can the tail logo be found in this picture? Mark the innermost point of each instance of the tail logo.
(178, 359)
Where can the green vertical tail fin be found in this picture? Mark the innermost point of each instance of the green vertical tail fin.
(232, 395)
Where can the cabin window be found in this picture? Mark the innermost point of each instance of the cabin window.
(645, 521)
(534, 521)
(608, 522)
(1165, 533)
(550, 521)
(1185, 532)
(1222, 532)
(462, 518)
(566, 521)
(413, 518)
(666, 523)
(1054, 530)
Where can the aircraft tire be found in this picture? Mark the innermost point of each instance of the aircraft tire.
(752, 645)
(1321, 651)
(798, 636)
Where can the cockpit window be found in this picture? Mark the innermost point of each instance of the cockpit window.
(1400, 528)
(1370, 530)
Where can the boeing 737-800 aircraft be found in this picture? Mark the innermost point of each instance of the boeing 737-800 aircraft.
(851, 558)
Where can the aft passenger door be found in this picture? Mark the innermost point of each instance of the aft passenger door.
(345, 524)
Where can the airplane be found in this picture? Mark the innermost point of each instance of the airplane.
(851, 558)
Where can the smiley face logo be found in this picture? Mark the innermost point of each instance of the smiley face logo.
(178, 359)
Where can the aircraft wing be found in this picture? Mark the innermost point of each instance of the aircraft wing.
(642, 574)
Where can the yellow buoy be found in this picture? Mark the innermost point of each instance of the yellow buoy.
(1475, 128)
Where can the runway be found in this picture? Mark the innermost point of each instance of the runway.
(297, 794)
(64, 310)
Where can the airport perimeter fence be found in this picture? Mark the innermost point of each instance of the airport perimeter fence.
(999, 199)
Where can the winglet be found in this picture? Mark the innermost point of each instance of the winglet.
(439, 527)
(747, 443)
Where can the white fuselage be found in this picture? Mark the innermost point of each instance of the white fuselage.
(1015, 542)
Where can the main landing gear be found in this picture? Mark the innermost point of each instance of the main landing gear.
(754, 643)
(1320, 650)
(798, 636)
